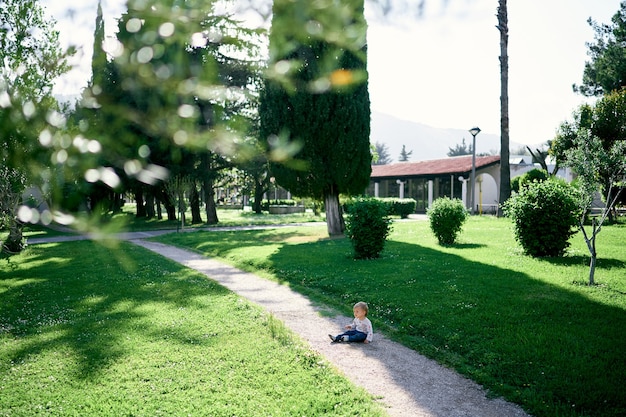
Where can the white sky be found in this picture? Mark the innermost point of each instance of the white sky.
(441, 69)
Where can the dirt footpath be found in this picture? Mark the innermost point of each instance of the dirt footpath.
(407, 383)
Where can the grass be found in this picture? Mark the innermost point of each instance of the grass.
(527, 329)
(226, 218)
(91, 330)
(126, 221)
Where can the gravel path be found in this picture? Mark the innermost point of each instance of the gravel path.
(408, 384)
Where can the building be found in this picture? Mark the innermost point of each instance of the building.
(425, 181)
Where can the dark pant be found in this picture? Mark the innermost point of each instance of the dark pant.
(354, 336)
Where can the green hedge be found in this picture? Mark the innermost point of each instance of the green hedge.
(394, 206)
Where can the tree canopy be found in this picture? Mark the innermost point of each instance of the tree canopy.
(606, 69)
(324, 108)
(30, 60)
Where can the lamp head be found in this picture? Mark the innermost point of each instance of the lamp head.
(474, 131)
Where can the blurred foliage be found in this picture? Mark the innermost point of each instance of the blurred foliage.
(174, 93)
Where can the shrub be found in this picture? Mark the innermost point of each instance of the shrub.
(395, 206)
(527, 178)
(401, 206)
(367, 226)
(446, 217)
(545, 215)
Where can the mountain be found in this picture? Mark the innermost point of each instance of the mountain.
(426, 142)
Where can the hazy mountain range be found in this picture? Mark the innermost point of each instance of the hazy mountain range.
(426, 142)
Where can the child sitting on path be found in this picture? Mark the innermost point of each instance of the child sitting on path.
(361, 328)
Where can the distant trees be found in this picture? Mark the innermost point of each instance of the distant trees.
(404, 154)
(324, 108)
(382, 154)
(460, 149)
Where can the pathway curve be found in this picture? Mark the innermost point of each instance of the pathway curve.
(407, 383)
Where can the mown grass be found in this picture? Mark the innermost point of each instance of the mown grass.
(87, 330)
(127, 222)
(227, 217)
(527, 329)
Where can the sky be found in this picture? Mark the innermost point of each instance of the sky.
(440, 68)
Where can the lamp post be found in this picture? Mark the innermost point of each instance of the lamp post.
(474, 131)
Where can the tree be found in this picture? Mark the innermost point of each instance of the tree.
(593, 144)
(606, 69)
(588, 158)
(606, 121)
(404, 155)
(324, 107)
(540, 156)
(176, 109)
(460, 149)
(505, 170)
(382, 152)
(30, 60)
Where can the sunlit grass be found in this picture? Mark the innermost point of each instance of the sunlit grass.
(87, 330)
(527, 329)
(127, 221)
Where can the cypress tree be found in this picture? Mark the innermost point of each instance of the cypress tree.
(323, 107)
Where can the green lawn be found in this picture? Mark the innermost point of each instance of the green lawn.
(527, 329)
(87, 330)
(226, 218)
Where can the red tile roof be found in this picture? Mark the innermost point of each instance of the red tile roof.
(453, 166)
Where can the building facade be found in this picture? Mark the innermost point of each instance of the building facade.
(425, 181)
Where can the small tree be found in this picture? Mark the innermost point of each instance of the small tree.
(588, 158)
(460, 149)
(545, 216)
(447, 216)
(404, 154)
(368, 226)
(382, 153)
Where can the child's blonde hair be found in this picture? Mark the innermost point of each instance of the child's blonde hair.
(362, 305)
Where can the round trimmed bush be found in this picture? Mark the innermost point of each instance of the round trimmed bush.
(446, 217)
(368, 226)
(545, 215)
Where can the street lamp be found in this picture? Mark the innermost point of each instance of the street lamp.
(474, 131)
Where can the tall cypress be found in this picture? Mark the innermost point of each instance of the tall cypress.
(323, 105)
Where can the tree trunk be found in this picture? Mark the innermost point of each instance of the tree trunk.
(591, 245)
(194, 203)
(141, 208)
(15, 240)
(209, 198)
(170, 207)
(505, 173)
(593, 253)
(334, 215)
(158, 209)
(149, 210)
(257, 207)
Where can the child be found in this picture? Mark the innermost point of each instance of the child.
(361, 328)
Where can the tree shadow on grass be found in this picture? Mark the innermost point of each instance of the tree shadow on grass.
(90, 310)
(538, 344)
(571, 260)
